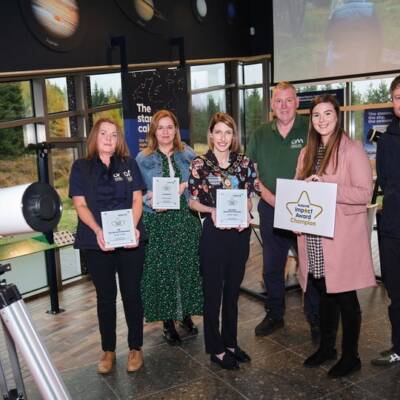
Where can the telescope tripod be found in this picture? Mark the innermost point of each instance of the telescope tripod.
(19, 332)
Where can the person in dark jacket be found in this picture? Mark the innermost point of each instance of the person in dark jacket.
(109, 179)
(388, 172)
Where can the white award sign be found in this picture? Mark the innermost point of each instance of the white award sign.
(231, 208)
(118, 228)
(166, 193)
(307, 207)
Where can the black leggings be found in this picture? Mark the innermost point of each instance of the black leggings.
(333, 306)
(103, 266)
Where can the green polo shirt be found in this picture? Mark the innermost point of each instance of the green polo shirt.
(275, 156)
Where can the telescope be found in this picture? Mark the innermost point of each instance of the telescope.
(23, 209)
(28, 208)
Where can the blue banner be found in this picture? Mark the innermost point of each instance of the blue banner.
(378, 119)
(149, 92)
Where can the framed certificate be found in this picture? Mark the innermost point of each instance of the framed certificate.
(231, 208)
(308, 207)
(118, 228)
(166, 194)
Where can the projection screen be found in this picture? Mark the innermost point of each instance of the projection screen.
(318, 39)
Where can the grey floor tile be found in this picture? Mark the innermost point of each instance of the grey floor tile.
(354, 392)
(386, 385)
(165, 366)
(279, 377)
(201, 389)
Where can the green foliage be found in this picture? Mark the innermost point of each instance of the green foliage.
(201, 118)
(253, 112)
(11, 107)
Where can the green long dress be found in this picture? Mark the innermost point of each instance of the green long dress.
(171, 283)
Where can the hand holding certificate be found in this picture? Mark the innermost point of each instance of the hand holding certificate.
(232, 209)
(118, 228)
(166, 193)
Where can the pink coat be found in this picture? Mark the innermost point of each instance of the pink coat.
(348, 261)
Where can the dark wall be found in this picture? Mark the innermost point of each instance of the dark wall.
(101, 19)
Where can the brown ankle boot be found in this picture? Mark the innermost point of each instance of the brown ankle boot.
(135, 360)
(106, 362)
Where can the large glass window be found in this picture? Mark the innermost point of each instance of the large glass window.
(17, 164)
(57, 96)
(204, 76)
(204, 105)
(371, 91)
(15, 100)
(105, 89)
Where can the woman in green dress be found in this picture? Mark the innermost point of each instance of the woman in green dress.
(171, 284)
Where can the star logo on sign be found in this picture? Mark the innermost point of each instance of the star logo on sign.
(304, 206)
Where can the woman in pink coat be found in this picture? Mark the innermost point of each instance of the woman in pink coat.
(337, 267)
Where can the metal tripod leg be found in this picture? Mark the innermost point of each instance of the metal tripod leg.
(3, 382)
(17, 320)
(14, 362)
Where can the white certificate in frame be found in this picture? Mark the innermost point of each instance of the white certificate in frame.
(166, 193)
(231, 208)
(308, 207)
(118, 228)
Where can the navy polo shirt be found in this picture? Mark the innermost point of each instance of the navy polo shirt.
(105, 189)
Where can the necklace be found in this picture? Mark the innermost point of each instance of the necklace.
(226, 181)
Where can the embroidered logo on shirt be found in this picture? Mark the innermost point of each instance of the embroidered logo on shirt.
(128, 175)
(117, 177)
(297, 143)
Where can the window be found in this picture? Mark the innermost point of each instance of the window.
(105, 89)
(205, 76)
(57, 97)
(15, 100)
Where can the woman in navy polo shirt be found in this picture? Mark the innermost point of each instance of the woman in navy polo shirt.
(108, 179)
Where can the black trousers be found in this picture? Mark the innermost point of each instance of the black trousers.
(223, 256)
(103, 267)
(333, 306)
(276, 245)
(390, 268)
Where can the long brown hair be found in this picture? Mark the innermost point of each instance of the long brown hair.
(227, 120)
(121, 149)
(152, 143)
(314, 140)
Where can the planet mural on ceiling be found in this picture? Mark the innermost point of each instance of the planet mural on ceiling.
(145, 9)
(58, 17)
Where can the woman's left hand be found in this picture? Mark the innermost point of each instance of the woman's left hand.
(243, 227)
(313, 178)
(132, 246)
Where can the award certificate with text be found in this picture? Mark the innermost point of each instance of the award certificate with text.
(118, 228)
(231, 208)
(166, 194)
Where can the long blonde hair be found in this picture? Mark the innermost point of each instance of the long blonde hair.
(152, 143)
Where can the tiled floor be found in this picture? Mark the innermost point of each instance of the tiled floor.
(185, 372)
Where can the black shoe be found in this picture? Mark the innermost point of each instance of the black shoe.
(319, 357)
(188, 325)
(227, 362)
(169, 333)
(239, 354)
(268, 325)
(345, 366)
(315, 332)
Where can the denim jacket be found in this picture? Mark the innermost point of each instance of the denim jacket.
(151, 166)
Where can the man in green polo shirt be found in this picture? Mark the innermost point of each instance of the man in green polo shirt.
(274, 148)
